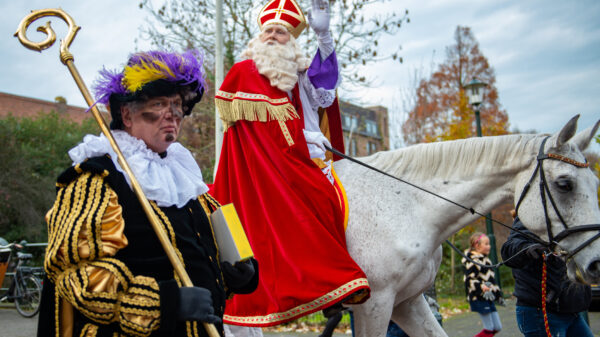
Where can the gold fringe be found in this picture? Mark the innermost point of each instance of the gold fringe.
(237, 109)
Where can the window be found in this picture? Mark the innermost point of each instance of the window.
(371, 127)
(371, 147)
(353, 147)
(347, 121)
(350, 122)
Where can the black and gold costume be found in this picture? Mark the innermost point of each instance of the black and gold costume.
(108, 274)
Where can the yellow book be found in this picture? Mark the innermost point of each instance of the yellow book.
(229, 233)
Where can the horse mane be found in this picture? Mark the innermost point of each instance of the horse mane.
(458, 158)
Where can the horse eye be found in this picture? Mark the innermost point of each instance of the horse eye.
(564, 185)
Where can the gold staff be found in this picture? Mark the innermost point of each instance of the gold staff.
(67, 59)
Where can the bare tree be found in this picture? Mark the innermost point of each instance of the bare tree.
(184, 24)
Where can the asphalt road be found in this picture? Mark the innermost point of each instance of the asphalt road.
(464, 325)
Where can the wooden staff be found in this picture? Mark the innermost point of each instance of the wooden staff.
(67, 59)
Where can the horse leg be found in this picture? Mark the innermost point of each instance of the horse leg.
(371, 318)
(416, 319)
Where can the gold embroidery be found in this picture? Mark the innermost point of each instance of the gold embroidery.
(57, 320)
(75, 260)
(301, 310)
(249, 96)
(203, 201)
(167, 224)
(286, 133)
(89, 330)
(71, 211)
(188, 328)
(195, 328)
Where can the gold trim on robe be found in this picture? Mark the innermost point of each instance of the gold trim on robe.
(85, 229)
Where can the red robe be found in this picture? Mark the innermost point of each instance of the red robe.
(290, 211)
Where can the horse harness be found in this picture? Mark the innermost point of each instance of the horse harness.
(546, 195)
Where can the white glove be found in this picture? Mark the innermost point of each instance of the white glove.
(318, 17)
(488, 295)
(317, 138)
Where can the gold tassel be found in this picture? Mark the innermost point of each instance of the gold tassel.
(233, 111)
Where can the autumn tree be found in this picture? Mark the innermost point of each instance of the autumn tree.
(178, 24)
(441, 110)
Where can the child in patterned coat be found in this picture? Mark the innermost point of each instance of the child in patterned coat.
(480, 285)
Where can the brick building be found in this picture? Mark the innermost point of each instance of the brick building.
(365, 129)
(20, 106)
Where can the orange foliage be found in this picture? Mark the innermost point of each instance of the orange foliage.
(442, 111)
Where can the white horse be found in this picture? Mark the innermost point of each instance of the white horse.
(396, 231)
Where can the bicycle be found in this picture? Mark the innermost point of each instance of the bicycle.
(25, 290)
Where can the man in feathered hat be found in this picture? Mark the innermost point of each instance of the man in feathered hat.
(273, 168)
(108, 274)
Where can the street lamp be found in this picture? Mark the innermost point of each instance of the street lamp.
(475, 90)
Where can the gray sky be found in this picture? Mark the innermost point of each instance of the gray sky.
(546, 54)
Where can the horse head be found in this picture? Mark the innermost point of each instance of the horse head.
(557, 200)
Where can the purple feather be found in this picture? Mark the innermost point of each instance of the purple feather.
(109, 82)
(186, 68)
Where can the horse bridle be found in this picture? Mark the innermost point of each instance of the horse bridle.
(545, 191)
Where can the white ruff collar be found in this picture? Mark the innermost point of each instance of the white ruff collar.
(172, 180)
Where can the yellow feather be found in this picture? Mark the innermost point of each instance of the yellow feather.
(136, 76)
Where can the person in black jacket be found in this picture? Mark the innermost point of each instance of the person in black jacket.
(564, 300)
(107, 273)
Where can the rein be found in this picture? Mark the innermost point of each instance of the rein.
(489, 266)
(553, 240)
(469, 209)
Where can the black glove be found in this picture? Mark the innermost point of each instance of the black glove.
(195, 304)
(238, 275)
(536, 250)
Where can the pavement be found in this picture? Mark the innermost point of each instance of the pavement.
(468, 324)
(464, 325)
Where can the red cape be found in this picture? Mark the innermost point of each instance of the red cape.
(290, 211)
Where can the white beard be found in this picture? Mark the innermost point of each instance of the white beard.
(280, 63)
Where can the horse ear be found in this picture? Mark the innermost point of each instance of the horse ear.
(583, 139)
(567, 132)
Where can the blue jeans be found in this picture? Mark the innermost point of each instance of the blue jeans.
(395, 331)
(531, 323)
(491, 321)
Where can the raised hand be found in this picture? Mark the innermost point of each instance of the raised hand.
(318, 16)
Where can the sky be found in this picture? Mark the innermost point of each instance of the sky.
(546, 54)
